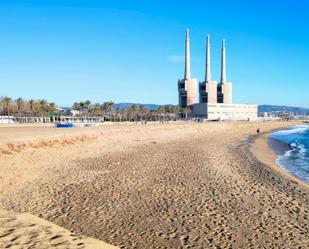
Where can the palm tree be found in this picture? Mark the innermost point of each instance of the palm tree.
(133, 111)
(87, 104)
(43, 107)
(175, 111)
(20, 104)
(107, 108)
(76, 106)
(120, 113)
(161, 112)
(82, 106)
(161, 109)
(95, 109)
(7, 101)
(52, 108)
(143, 112)
(31, 106)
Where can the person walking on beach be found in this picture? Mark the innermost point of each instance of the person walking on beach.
(258, 131)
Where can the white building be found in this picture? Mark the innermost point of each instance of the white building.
(6, 119)
(221, 111)
(215, 99)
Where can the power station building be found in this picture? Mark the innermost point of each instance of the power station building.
(187, 87)
(215, 100)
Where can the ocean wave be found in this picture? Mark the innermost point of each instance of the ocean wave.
(296, 159)
(294, 133)
(298, 149)
(297, 129)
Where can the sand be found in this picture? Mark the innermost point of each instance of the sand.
(28, 231)
(177, 185)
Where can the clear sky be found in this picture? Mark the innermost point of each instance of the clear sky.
(132, 51)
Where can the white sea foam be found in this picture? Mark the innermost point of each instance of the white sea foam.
(293, 130)
(295, 160)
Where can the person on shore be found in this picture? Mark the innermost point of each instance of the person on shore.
(258, 131)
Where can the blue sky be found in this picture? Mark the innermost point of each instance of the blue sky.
(132, 51)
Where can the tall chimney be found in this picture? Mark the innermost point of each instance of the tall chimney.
(187, 59)
(223, 66)
(208, 70)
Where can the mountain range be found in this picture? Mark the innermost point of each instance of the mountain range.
(279, 108)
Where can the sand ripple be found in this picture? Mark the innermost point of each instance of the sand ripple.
(200, 193)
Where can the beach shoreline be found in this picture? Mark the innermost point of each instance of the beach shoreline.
(267, 149)
(150, 186)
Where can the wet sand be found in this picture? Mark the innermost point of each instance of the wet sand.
(182, 185)
(277, 146)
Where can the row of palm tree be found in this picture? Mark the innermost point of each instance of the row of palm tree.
(135, 112)
(86, 108)
(108, 110)
(22, 108)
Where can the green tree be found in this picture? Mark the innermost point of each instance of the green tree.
(52, 108)
(107, 108)
(76, 106)
(87, 104)
(95, 109)
(82, 107)
(43, 107)
(31, 106)
(20, 105)
(7, 101)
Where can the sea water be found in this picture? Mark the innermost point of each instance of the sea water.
(296, 159)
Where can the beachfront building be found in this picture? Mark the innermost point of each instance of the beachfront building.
(215, 99)
(187, 87)
(208, 89)
(220, 111)
(224, 87)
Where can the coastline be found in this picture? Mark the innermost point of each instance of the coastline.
(267, 149)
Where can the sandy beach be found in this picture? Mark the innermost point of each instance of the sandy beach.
(171, 185)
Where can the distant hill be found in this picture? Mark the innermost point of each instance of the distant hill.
(278, 108)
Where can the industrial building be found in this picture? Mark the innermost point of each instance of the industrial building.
(215, 100)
